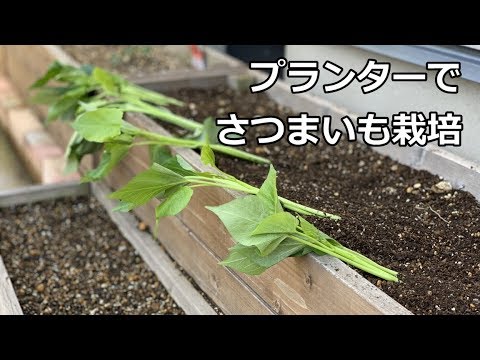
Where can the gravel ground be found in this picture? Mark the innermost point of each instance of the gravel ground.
(67, 257)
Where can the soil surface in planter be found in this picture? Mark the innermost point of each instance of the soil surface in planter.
(67, 257)
(389, 211)
(132, 60)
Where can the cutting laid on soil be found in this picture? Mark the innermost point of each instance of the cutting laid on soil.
(402, 218)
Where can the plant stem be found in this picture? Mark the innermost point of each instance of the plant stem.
(244, 187)
(238, 153)
(149, 95)
(299, 208)
(365, 267)
(166, 116)
(367, 260)
(194, 144)
(353, 254)
(198, 183)
(302, 209)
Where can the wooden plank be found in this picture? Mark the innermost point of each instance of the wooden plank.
(9, 304)
(222, 285)
(31, 194)
(24, 71)
(181, 290)
(461, 173)
(177, 79)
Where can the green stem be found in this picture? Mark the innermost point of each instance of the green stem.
(239, 153)
(149, 95)
(299, 208)
(194, 144)
(349, 253)
(166, 116)
(302, 209)
(369, 269)
(244, 187)
(198, 183)
(367, 260)
(167, 140)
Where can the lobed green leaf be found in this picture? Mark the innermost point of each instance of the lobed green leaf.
(174, 203)
(147, 185)
(112, 155)
(99, 125)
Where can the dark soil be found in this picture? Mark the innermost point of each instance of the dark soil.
(67, 257)
(131, 60)
(389, 211)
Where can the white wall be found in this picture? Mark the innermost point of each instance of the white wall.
(393, 97)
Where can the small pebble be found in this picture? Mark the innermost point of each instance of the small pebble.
(442, 187)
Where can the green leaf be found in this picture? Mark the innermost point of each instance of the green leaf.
(124, 207)
(122, 139)
(91, 105)
(52, 71)
(308, 228)
(179, 165)
(112, 155)
(147, 185)
(77, 148)
(48, 95)
(210, 131)
(286, 248)
(207, 156)
(159, 154)
(99, 125)
(174, 203)
(241, 216)
(247, 259)
(208, 134)
(268, 192)
(62, 106)
(240, 259)
(312, 231)
(279, 223)
(306, 250)
(267, 247)
(105, 79)
(183, 163)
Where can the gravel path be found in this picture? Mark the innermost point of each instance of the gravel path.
(67, 257)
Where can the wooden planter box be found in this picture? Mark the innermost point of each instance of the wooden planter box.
(197, 240)
(181, 290)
